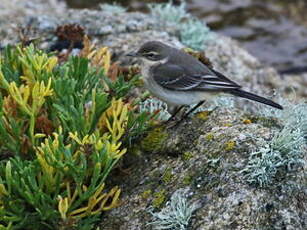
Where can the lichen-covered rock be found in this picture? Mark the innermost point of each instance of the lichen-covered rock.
(207, 157)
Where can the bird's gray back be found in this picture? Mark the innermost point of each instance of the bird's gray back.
(182, 71)
(191, 65)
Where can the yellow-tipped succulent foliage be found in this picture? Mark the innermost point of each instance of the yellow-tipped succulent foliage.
(95, 205)
(100, 58)
(34, 63)
(61, 133)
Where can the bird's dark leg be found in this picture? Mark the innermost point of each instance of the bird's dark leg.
(189, 112)
(192, 110)
(177, 110)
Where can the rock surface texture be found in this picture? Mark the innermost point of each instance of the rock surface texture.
(206, 155)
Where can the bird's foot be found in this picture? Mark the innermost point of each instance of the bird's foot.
(175, 122)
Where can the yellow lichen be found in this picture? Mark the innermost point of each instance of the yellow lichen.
(159, 198)
(230, 145)
(247, 121)
(167, 176)
(204, 115)
(146, 194)
(227, 124)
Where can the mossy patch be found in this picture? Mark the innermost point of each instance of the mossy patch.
(146, 194)
(265, 121)
(187, 156)
(187, 180)
(209, 137)
(159, 198)
(154, 141)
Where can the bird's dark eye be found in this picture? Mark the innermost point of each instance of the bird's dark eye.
(151, 54)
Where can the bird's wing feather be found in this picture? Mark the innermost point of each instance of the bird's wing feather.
(175, 77)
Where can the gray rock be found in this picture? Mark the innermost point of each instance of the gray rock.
(198, 155)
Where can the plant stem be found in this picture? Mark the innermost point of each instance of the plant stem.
(32, 125)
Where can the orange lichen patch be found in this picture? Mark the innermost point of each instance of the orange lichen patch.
(10, 106)
(247, 121)
(114, 71)
(63, 57)
(70, 32)
(25, 145)
(200, 56)
(88, 47)
(73, 33)
(44, 125)
(129, 72)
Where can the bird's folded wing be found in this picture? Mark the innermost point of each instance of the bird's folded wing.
(175, 77)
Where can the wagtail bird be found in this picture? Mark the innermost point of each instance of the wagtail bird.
(179, 79)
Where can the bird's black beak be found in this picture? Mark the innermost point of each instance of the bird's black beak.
(132, 54)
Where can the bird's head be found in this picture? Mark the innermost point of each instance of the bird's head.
(152, 51)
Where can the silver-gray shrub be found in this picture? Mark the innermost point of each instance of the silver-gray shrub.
(285, 150)
(176, 214)
(192, 32)
(112, 8)
(152, 105)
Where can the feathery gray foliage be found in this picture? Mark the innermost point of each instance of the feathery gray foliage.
(286, 149)
(193, 33)
(177, 213)
(152, 105)
(112, 8)
(262, 166)
(167, 12)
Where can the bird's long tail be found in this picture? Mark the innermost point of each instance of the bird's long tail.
(254, 97)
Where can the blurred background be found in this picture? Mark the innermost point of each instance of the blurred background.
(275, 31)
